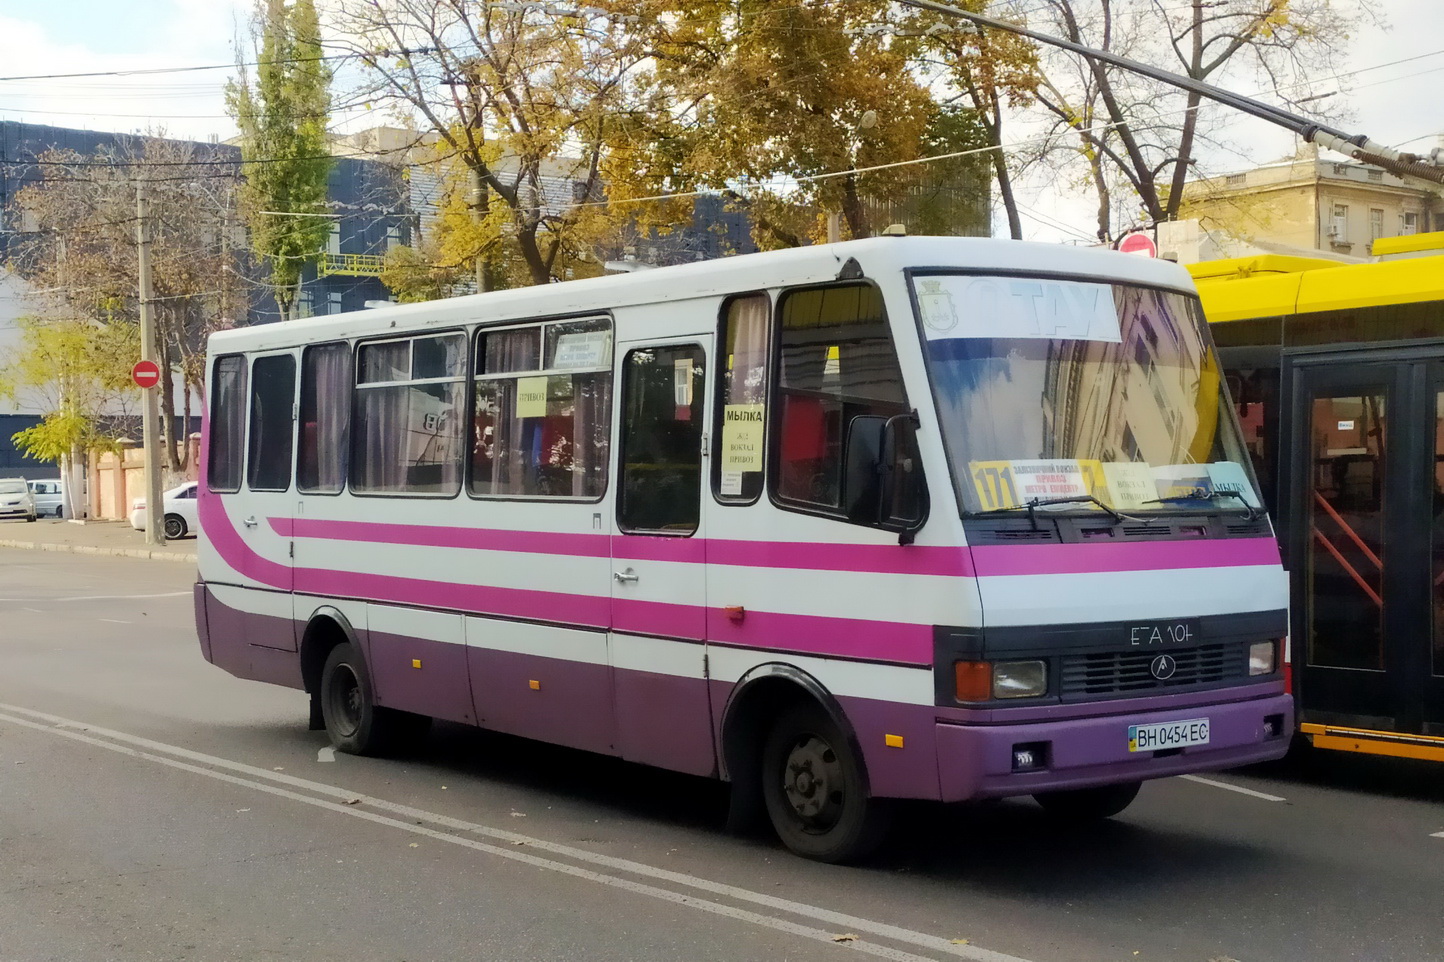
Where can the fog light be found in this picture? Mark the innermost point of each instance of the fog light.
(1273, 726)
(1020, 679)
(1262, 658)
(1030, 756)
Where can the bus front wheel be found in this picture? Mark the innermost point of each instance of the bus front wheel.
(816, 795)
(354, 722)
(1088, 804)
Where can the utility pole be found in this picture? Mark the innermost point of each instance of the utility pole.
(150, 415)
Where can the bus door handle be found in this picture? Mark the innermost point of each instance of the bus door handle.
(626, 577)
(250, 522)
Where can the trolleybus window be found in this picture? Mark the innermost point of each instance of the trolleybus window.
(742, 400)
(541, 417)
(406, 430)
(227, 423)
(662, 440)
(325, 419)
(273, 392)
(837, 362)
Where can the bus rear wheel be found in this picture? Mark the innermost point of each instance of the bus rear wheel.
(1088, 804)
(814, 789)
(354, 722)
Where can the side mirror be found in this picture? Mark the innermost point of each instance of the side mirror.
(882, 481)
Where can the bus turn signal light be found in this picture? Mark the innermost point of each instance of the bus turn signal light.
(974, 680)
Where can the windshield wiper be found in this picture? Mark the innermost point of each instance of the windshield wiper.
(1032, 506)
(1211, 496)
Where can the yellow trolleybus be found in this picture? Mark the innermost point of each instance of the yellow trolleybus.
(1338, 375)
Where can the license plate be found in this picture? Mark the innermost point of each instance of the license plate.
(1164, 735)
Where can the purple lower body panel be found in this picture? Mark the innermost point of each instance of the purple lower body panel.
(231, 641)
(421, 676)
(976, 761)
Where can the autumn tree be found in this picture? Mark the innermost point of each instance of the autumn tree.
(1140, 138)
(83, 250)
(526, 103)
(282, 116)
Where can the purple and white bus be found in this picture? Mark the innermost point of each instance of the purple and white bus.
(896, 518)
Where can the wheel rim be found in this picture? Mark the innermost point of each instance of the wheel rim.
(346, 700)
(812, 782)
(173, 529)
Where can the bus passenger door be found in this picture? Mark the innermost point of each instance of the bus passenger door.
(659, 598)
(264, 506)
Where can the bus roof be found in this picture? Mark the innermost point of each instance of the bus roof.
(1245, 288)
(877, 257)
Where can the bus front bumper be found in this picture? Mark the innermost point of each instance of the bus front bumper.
(984, 761)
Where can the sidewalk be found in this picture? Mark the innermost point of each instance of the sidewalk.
(113, 538)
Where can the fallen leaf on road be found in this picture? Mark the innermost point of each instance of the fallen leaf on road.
(518, 814)
(352, 801)
(278, 768)
(518, 843)
(414, 845)
(961, 942)
(239, 810)
(849, 937)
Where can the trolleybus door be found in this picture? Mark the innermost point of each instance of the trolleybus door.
(659, 588)
(1364, 475)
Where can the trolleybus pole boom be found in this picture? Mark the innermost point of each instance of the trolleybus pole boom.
(1357, 146)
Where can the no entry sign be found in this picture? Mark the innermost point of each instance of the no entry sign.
(145, 374)
(1138, 243)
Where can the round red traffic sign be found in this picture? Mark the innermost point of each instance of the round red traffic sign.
(145, 374)
(1138, 243)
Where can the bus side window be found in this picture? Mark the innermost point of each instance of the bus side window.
(273, 392)
(227, 423)
(837, 362)
(407, 416)
(325, 419)
(661, 454)
(738, 435)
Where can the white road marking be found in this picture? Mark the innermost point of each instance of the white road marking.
(327, 754)
(114, 621)
(367, 807)
(1437, 835)
(163, 594)
(1234, 788)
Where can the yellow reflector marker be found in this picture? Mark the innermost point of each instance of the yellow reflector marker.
(893, 741)
(416, 663)
(535, 685)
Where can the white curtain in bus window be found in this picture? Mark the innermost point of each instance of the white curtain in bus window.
(227, 423)
(325, 418)
(742, 407)
(541, 419)
(273, 392)
(406, 424)
(838, 362)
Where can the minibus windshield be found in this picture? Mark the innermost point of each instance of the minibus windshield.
(1068, 393)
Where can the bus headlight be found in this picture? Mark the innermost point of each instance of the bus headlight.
(1262, 658)
(1020, 679)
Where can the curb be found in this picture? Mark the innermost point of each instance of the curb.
(146, 553)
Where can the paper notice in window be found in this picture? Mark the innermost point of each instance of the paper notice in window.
(1130, 484)
(742, 431)
(584, 349)
(1048, 479)
(531, 397)
(731, 482)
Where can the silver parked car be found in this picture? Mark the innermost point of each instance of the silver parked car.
(16, 500)
(49, 497)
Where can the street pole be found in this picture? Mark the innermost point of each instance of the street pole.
(150, 414)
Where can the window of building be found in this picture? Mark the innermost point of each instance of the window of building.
(273, 398)
(406, 416)
(837, 361)
(1235, 180)
(661, 456)
(542, 411)
(325, 419)
(227, 423)
(1376, 223)
(333, 238)
(1409, 222)
(741, 416)
(1339, 230)
(1377, 176)
(333, 303)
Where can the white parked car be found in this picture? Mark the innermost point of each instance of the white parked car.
(15, 499)
(179, 504)
(49, 497)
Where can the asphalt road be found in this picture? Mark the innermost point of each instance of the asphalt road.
(153, 807)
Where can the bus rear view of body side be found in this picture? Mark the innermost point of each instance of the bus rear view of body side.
(897, 518)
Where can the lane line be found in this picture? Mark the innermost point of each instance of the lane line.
(1437, 835)
(162, 594)
(113, 621)
(844, 923)
(1234, 788)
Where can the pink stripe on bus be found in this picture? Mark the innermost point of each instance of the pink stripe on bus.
(1067, 559)
(437, 536)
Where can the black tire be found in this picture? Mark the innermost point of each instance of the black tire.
(1089, 804)
(815, 789)
(175, 526)
(31, 517)
(354, 722)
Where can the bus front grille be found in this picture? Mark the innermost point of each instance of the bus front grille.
(1130, 673)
